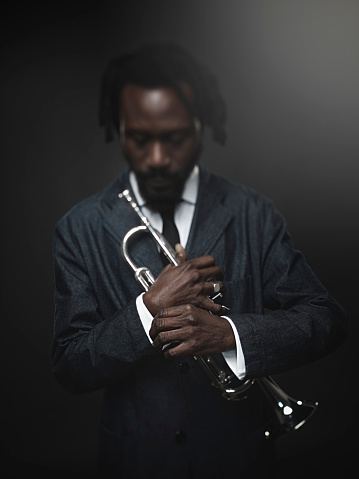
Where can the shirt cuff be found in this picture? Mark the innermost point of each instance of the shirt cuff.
(145, 316)
(235, 357)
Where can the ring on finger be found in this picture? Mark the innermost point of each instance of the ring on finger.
(216, 287)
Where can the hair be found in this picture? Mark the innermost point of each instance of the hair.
(162, 65)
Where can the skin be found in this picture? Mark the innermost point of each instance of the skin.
(160, 141)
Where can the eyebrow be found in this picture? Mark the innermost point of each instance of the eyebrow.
(197, 127)
(145, 132)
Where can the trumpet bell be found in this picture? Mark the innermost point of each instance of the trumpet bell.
(289, 413)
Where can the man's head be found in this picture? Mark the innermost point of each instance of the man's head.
(158, 99)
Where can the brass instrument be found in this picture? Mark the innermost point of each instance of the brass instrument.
(289, 413)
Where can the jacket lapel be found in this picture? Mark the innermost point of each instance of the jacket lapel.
(211, 216)
(120, 219)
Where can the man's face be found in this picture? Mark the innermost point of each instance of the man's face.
(160, 141)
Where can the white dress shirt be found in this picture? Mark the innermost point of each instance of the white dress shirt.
(183, 216)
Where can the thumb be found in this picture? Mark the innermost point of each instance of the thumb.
(180, 253)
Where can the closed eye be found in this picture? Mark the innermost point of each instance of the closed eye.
(177, 138)
(141, 139)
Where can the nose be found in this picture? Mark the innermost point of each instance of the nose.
(157, 155)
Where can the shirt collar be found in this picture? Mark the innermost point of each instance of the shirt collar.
(190, 189)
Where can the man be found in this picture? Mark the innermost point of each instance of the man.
(161, 416)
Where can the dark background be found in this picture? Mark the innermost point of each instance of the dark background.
(289, 72)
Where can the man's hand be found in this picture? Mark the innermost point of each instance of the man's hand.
(187, 283)
(197, 332)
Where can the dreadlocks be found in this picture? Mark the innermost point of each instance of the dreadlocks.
(162, 65)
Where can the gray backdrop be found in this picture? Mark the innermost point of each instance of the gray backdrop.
(289, 72)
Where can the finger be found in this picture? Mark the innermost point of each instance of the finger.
(177, 350)
(210, 287)
(203, 274)
(175, 317)
(223, 311)
(180, 253)
(165, 338)
(160, 321)
(167, 319)
(214, 308)
(170, 312)
(212, 272)
(188, 346)
(165, 324)
(204, 261)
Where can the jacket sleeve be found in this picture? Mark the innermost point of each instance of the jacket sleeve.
(303, 322)
(90, 349)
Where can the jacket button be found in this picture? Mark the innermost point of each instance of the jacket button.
(180, 437)
(184, 368)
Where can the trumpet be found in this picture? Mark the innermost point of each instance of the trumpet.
(289, 414)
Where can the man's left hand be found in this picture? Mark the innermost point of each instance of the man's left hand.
(194, 331)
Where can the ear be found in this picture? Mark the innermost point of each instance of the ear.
(198, 128)
(122, 130)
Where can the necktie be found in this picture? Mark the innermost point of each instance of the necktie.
(169, 230)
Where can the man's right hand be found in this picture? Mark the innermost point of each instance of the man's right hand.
(187, 283)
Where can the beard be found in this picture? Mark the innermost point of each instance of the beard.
(161, 189)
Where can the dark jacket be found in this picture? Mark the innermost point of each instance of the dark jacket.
(162, 417)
